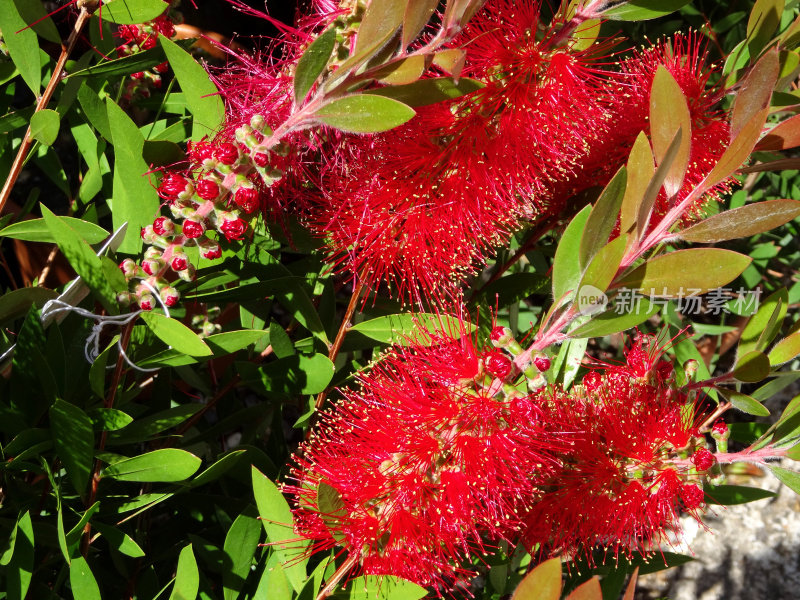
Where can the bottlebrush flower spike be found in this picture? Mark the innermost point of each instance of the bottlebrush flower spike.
(429, 468)
(625, 478)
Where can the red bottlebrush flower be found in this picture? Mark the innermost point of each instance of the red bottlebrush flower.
(497, 363)
(246, 198)
(692, 496)
(623, 478)
(207, 189)
(226, 153)
(193, 229)
(427, 472)
(703, 459)
(233, 229)
(720, 429)
(591, 381)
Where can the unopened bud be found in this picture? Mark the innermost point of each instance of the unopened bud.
(169, 296)
(188, 274)
(690, 369)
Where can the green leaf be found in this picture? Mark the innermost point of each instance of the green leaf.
(656, 183)
(766, 323)
(783, 136)
(82, 258)
(331, 509)
(640, 171)
(136, 202)
(82, 581)
(588, 590)
(17, 303)
(403, 71)
(642, 10)
(429, 91)
(669, 114)
(312, 63)
(36, 230)
(764, 20)
(364, 113)
(686, 272)
(45, 124)
(755, 91)
(543, 583)
(603, 217)
(241, 543)
(744, 221)
(119, 540)
(75, 533)
(277, 521)
(23, 45)
(612, 322)
(381, 20)
(785, 350)
(566, 264)
(131, 12)
(205, 103)
(176, 334)
(728, 495)
(19, 572)
(146, 427)
(165, 465)
(73, 438)
(34, 12)
(291, 375)
(743, 402)
(738, 151)
(789, 478)
(187, 576)
(417, 15)
(218, 469)
(384, 587)
(601, 271)
(408, 328)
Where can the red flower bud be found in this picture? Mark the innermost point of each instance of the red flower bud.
(261, 159)
(146, 303)
(179, 262)
(128, 267)
(193, 229)
(703, 459)
(169, 296)
(692, 496)
(497, 333)
(171, 186)
(211, 252)
(201, 151)
(233, 229)
(246, 198)
(163, 226)
(150, 267)
(720, 428)
(497, 363)
(162, 68)
(227, 153)
(207, 189)
(542, 363)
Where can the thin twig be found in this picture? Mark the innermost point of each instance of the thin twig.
(109, 403)
(358, 287)
(48, 265)
(27, 141)
(334, 580)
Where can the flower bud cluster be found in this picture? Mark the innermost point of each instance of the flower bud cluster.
(212, 200)
(144, 36)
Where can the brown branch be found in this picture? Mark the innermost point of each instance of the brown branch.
(334, 580)
(108, 403)
(358, 287)
(27, 141)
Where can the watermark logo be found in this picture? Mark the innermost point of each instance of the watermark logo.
(591, 300)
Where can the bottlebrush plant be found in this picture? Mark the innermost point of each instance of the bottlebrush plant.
(459, 298)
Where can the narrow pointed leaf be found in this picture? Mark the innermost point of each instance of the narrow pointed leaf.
(785, 350)
(241, 543)
(603, 217)
(764, 20)
(429, 91)
(640, 170)
(588, 590)
(789, 478)
(728, 495)
(312, 63)
(783, 136)
(543, 583)
(19, 572)
(417, 15)
(766, 323)
(743, 402)
(187, 576)
(381, 20)
(131, 12)
(743, 221)
(364, 113)
(402, 72)
(566, 264)
(82, 581)
(738, 150)
(751, 368)
(22, 44)
(669, 114)
(656, 183)
(165, 465)
(684, 272)
(755, 91)
(642, 10)
(73, 438)
(176, 334)
(36, 230)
